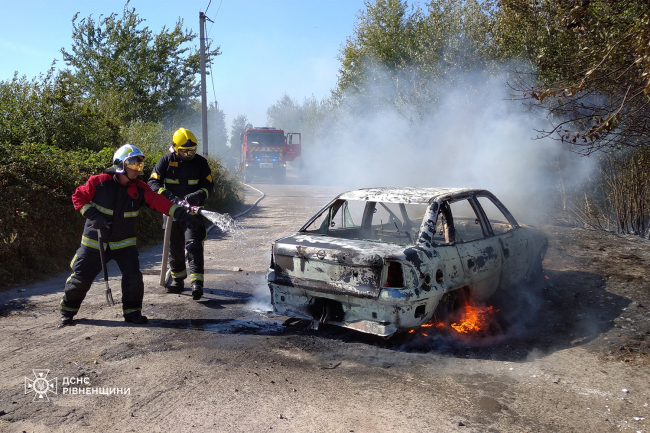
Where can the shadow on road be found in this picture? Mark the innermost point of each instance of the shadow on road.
(221, 326)
(570, 308)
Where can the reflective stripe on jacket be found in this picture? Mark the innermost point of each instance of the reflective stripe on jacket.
(172, 176)
(119, 205)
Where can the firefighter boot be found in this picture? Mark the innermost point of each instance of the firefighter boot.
(197, 291)
(175, 285)
(66, 320)
(136, 318)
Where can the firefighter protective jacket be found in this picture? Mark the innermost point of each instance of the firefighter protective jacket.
(104, 195)
(175, 178)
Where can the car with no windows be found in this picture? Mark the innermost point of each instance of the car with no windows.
(383, 260)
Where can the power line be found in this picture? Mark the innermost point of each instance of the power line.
(214, 92)
(215, 16)
(212, 79)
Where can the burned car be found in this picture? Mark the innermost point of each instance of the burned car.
(383, 260)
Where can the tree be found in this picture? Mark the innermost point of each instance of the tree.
(239, 125)
(307, 118)
(397, 52)
(144, 75)
(52, 110)
(383, 34)
(285, 114)
(593, 68)
(217, 130)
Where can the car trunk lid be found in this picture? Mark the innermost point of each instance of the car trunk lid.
(331, 265)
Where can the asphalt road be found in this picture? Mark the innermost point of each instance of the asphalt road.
(227, 364)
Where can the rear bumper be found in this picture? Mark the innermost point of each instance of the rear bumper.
(392, 311)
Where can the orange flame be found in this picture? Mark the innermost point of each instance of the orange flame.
(474, 318)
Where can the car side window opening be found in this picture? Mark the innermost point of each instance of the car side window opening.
(347, 216)
(498, 221)
(444, 225)
(320, 224)
(397, 223)
(466, 223)
(342, 215)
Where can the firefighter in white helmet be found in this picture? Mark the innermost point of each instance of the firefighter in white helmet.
(110, 202)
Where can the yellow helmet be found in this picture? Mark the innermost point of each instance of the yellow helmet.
(184, 138)
(185, 143)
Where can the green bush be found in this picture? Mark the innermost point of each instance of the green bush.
(39, 228)
(53, 110)
(152, 138)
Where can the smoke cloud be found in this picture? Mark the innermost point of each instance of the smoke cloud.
(475, 135)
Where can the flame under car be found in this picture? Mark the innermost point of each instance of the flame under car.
(383, 260)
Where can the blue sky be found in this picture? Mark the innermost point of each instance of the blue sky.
(270, 47)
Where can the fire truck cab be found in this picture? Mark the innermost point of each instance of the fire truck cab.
(266, 150)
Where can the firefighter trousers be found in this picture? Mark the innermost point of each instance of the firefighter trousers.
(86, 265)
(190, 239)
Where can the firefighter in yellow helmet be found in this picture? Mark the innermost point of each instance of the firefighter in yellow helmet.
(183, 175)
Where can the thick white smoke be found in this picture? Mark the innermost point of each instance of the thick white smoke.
(474, 136)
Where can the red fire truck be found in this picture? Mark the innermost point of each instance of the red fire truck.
(266, 150)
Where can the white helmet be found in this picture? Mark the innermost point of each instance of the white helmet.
(128, 156)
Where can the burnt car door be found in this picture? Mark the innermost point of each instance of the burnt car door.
(480, 254)
(449, 273)
(512, 239)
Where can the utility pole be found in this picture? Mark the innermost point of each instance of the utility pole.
(204, 106)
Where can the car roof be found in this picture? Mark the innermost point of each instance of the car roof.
(409, 194)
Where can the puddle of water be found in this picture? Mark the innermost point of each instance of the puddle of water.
(218, 271)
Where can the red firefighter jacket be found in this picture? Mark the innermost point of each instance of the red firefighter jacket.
(103, 196)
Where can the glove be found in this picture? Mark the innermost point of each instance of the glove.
(171, 197)
(99, 223)
(190, 221)
(195, 198)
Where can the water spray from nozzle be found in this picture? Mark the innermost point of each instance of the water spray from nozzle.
(224, 221)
